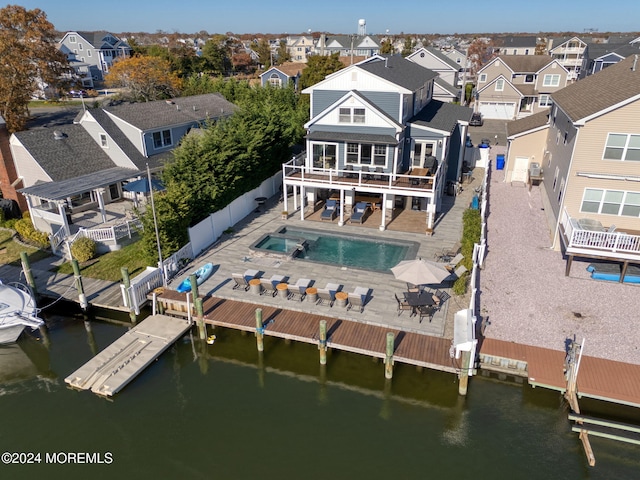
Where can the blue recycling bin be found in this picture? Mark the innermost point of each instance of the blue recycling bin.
(475, 202)
(500, 162)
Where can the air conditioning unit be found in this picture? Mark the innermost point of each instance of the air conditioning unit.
(534, 169)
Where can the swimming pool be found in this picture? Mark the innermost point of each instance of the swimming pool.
(350, 251)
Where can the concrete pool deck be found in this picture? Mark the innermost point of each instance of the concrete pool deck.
(232, 254)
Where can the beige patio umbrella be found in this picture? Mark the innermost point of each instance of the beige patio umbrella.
(420, 272)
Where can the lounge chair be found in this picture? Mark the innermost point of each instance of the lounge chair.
(403, 306)
(359, 212)
(461, 270)
(330, 210)
(299, 290)
(456, 260)
(241, 281)
(325, 297)
(268, 288)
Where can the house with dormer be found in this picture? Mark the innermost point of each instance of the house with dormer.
(283, 75)
(513, 86)
(93, 51)
(433, 59)
(589, 151)
(375, 133)
(83, 166)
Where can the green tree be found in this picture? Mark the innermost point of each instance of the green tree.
(386, 48)
(28, 56)
(216, 57)
(282, 53)
(263, 49)
(407, 48)
(318, 67)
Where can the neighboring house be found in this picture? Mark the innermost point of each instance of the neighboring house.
(82, 166)
(526, 144)
(435, 60)
(573, 55)
(300, 47)
(513, 86)
(376, 131)
(591, 163)
(349, 45)
(604, 55)
(456, 55)
(444, 92)
(283, 75)
(95, 51)
(518, 45)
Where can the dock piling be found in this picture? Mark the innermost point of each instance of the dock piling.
(194, 286)
(82, 298)
(259, 330)
(463, 376)
(388, 361)
(28, 275)
(202, 328)
(322, 344)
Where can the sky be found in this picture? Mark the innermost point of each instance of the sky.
(341, 16)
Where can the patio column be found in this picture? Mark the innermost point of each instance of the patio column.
(284, 197)
(295, 198)
(301, 202)
(341, 221)
(431, 211)
(103, 213)
(63, 216)
(383, 221)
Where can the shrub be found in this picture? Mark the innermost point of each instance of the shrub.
(83, 249)
(28, 233)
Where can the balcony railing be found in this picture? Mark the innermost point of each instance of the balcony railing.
(596, 242)
(418, 180)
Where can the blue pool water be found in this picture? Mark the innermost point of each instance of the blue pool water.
(349, 251)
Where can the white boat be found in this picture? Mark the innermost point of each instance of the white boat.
(17, 311)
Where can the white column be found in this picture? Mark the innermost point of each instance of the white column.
(383, 224)
(301, 202)
(431, 211)
(63, 216)
(284, 196)
(99, 194)
(295, 198)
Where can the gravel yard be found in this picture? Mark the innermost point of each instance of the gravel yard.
(525, 296)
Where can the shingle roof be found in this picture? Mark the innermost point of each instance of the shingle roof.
(177, 111)
(600, 91)
(448, 87)
(399, 71)
(525, 124)
(291, 69)
(96, 38)
(442, 115)
(525, 63)
(352, 137)
(441, 56)
(517, 41)
(75, 153)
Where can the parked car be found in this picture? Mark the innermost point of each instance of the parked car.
(78, 93)
(476, 120)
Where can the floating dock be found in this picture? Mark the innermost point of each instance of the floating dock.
(113, 368)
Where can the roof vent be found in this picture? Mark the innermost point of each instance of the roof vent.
(635, 60)
(194, 108)
(178, 107)
(58, 135)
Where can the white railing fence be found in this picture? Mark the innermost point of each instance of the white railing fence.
(136, 295)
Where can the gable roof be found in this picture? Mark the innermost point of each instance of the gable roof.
(96, 39)
(447, 87)
(442, 116)
(525, 63)
(177, 111)
(290, 69)
(527, 124)
(65, 152)
(399, 71)
(448, 62)
(614, 85)
(517, 41)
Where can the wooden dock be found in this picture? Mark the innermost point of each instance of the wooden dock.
(112, 369)
(598, 427)
(598, 378)
(350, 336)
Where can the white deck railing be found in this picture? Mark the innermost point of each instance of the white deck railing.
(173, 264)
(136, 295)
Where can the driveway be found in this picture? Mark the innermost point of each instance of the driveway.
(494, 130)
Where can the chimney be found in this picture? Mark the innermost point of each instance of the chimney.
(9, 180)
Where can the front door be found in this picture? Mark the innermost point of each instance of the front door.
(520, 168)
(421, 150)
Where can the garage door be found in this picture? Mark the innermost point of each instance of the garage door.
(497, 110)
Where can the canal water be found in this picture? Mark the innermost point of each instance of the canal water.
(222, 411)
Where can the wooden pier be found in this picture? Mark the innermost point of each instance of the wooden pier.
(108, 372)
(350, 336)
(598, 427)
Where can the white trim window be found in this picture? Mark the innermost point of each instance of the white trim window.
(551, 80)
(500, 85)
(324, 155)
(162, 139)
(80, 46)
(622, 146)
(72, 39)
(482, 78)
(366, 154)
(545, 101)
(611, 202)
(103, 140)
(351, 115)
(275, 80)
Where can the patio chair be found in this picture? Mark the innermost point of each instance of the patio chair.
(330, 210)
(350, 173)
(426, 311)
(365, 173)
(456, 260)
(441, 297)
(241, 281)
(358, 298)
(412, 288)
(299, 290)
(403, 306)
(461, 270)
(325, 297)
(268, 287)
(379, 173)
(360, 212)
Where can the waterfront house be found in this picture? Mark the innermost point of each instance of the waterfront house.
(92, 53)
(589, 151)
(513, 86)
(82, 167)
(376, 134)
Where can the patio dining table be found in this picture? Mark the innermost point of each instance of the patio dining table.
(423, 298)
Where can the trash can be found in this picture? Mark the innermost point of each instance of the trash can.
(500, 162)
(451, 188)
(475, 203)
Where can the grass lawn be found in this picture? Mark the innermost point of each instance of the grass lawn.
(10, 250)
(107, 266)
